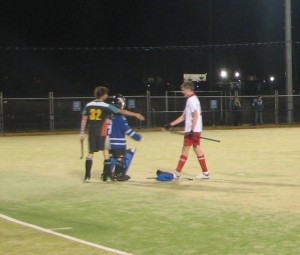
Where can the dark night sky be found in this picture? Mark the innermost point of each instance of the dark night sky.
(99, 23)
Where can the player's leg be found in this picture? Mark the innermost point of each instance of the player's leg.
(107, 173)
(121, 168)
(128, 157)
(107, 170)
(113, 160)
(201, 158)
(116, 158)
(119, 165)
(182, 159)
(88, 167)
(89, 158)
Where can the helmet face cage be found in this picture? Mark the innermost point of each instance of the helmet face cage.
(119, 101)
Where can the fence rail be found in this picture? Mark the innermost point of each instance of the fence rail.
(64, 113)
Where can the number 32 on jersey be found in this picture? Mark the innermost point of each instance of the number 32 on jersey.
(95, 114)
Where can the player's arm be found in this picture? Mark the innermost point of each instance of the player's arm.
(131, 114)
(175, 122)
(84, 120)
(128, 130)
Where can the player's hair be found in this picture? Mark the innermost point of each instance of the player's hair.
(100, 91)
(188, 85)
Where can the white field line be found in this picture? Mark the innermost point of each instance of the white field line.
(65, 228)
(48, 231)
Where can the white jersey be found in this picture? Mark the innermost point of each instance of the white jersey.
(192, 105)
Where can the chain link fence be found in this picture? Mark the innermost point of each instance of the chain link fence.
(64, 113)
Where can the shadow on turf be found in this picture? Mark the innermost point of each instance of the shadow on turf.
(257, 183)
(187, 185)
(193, 185)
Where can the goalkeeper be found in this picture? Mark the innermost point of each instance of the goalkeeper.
(121, 157)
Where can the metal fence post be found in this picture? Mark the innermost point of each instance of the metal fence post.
(276, 107)
(167, 107)
(51, 111)
(221, 108)
(148, 96)
(1, 113)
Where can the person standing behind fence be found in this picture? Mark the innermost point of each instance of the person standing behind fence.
(96, 114)
(237, 112)
(192, 116)
(258, 107)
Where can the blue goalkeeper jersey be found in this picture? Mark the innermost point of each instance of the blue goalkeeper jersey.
(119, 130)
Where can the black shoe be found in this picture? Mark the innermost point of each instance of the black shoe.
(103, 177)
(122, 177)
(107, 178)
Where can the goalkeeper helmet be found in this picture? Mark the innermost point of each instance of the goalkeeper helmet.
(119, 101)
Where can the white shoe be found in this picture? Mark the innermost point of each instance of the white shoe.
(202, 176)
(176, 174)
(87, 180)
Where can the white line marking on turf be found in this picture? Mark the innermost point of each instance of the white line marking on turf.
(48, 231)
(66, 228)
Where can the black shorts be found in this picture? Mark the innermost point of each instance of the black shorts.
(98, 142)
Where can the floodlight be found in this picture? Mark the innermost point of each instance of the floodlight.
(223, 74)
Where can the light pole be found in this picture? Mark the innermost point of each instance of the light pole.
(289, 61)
(224, 76)
(272, 80)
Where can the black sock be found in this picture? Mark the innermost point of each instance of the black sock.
(107, 168)
(88, 167)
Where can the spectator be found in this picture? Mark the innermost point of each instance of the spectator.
(237, 112)
(258, 107)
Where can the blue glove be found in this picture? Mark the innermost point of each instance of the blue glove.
(137, 137)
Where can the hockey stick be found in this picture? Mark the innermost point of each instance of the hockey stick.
(179, 178)
(202, 137)
(81, 147)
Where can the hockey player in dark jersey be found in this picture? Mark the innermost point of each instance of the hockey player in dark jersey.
(121, 156)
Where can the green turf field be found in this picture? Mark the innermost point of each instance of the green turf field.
(250, 205)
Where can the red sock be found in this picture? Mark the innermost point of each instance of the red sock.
(181, 163)
(202, 162)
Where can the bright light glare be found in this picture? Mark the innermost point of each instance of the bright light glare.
(272, 78)
(237, 74)
(223, 74)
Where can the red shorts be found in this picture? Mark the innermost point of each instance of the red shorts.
(195, 140)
